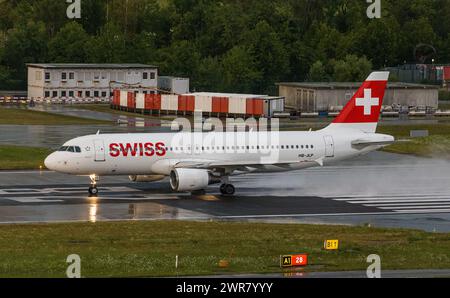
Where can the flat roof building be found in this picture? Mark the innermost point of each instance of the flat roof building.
(317, 97)
(75, 81)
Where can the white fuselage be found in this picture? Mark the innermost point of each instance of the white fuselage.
(236, 152)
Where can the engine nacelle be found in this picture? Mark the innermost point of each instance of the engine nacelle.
(146, 178)
(191, 179)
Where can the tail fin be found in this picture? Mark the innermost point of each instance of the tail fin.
(363, 110)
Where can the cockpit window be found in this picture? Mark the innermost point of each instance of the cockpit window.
(70, 149)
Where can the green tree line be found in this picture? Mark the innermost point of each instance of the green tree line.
(223, 45)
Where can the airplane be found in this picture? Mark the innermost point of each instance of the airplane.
(195, 160)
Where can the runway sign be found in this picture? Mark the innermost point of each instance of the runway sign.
(294, 260)
(331, 244)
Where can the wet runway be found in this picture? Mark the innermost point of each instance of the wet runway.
(380, 189)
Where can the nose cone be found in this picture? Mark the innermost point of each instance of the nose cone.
(50, 162)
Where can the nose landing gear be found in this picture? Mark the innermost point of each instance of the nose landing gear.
(93, 190)
(227, 189)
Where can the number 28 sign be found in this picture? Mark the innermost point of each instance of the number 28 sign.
(294, 260)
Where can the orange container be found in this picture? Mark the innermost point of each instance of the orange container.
(182, 103)
(216, 104)
(249, 106)
(156, 101)
(190, 103)
(224, 105)
(258, 107)
(148, 102)
(131, 100)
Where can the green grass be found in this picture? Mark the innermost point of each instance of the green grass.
(148, 248)
(15, 116)
(437, 146)
(21, 158)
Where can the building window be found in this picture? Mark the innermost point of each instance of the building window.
(55, 94)
(79, 93)
(145, 75)
(63, 93)
(63, 76)
(152, 75)
(95, 93)
(121, 76)
(96, 76)
(71, 76)
(103, 93)
(47, 76)
(104, 75)
(47, 94)
(88, 93)
(88, 76)
(70, 93)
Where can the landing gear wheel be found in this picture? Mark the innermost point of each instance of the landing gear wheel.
(93, 191)
(227, 189)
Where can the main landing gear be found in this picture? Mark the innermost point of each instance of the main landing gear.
(227, 189)
(93, 190)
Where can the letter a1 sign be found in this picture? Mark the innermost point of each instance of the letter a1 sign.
(294, 260)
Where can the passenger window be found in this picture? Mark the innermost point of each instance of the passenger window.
(312, 146)
(307, 147)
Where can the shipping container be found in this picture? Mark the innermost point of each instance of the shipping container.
(203, 103)
(140, 101)
(123, 99)
(216, 104)
(116, 98)
(156, 98)
(148, 105)
(258, 107)
(131, 101)
(173, 84)
(237, 105)
(169, 102)
(447, 73)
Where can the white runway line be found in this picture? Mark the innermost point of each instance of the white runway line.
(417, 207)
(33, 200)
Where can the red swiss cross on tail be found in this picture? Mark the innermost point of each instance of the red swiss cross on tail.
(363, 110)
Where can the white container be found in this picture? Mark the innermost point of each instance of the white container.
(203, 103)
(173, 84)
(169, 102)
(124, 98)
(237, 105)
(140, 101)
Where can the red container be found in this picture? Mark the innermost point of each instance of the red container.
(249, 108)
(216, 104)
(148, 102)
(190, 103)
(131, 100)
(258, 107)
(447, 73)
(116, 97)
(156, 101)
(224, 105)
(182, 103)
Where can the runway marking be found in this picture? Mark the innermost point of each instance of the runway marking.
(407, 204)
(26, 191)
(419, 207)
(34, 200)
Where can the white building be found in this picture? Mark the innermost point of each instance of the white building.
(173, 85)
(88, 81)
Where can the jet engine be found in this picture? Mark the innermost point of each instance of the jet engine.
(146, 178)
(191, 179)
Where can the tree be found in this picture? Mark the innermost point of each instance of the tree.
(25, 43)
(240, 72)
(317, 72)
(108, 47)
(69, 44)
(351, 69)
